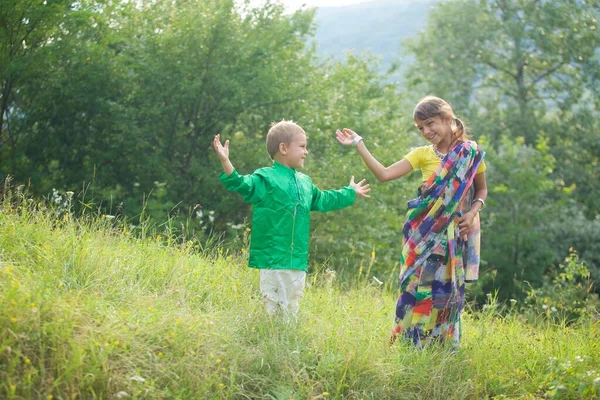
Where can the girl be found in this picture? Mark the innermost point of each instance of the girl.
(440, 247)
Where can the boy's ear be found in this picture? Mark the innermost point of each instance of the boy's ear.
(283, 148)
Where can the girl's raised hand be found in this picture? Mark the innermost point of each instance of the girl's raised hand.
(345, 136)
(360, 188)
(222, 151)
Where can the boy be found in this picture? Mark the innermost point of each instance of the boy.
(282, 200)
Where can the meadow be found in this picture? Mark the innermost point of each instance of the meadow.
(91, 308)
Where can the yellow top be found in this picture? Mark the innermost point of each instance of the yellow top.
(424, 157)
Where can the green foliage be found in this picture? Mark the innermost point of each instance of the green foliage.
(570, 378)
(576, 145)
(522, 199)
(566, 296)
(27, 28)
(508, 61)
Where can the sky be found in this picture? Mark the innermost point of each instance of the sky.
(319, 3)
(295, 4)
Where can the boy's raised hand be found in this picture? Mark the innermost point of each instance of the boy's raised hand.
(222, 151)
(360, 188)
(345, 136)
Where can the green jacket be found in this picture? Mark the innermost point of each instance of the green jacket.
(282, 200)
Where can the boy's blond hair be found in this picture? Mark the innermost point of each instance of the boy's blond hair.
(281, 132)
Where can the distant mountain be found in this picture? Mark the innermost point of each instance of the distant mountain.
(377, 26)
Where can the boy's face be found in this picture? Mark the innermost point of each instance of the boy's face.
(295, 152)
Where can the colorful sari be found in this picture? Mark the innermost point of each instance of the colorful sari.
(435, 260)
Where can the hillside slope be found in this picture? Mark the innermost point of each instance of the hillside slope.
(378, 27)
(88, 309)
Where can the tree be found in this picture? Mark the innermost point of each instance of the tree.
(509, 61)
(28, 27)
(516, 241)
(206, 67)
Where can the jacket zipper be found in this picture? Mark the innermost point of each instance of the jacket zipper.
(294, 224)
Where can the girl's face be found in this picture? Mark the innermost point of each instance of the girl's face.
(435, 129)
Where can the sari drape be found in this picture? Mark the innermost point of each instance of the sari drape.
(435, 260)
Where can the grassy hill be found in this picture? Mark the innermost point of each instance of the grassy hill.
(376, 26)
(91, 309)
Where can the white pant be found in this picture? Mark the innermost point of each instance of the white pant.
(282, 290)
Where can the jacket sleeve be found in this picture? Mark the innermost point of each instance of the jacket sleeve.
(329, 200)
(252, 188)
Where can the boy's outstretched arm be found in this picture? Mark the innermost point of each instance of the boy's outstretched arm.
(360, 188)
(329, 200)
(223, 153)
(251, 187)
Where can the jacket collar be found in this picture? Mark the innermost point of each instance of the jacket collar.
(283, 168)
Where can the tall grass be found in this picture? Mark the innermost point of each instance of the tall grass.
(90, 310)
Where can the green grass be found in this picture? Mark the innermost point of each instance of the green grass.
(88, 310)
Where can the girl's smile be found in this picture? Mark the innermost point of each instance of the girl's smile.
(434, 130)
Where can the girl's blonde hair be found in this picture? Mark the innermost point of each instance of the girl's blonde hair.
(281, 132)
(432, 106)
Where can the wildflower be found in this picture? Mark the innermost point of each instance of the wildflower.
(137, 379)
(13, 319)
(325, 393)
(27, 361)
